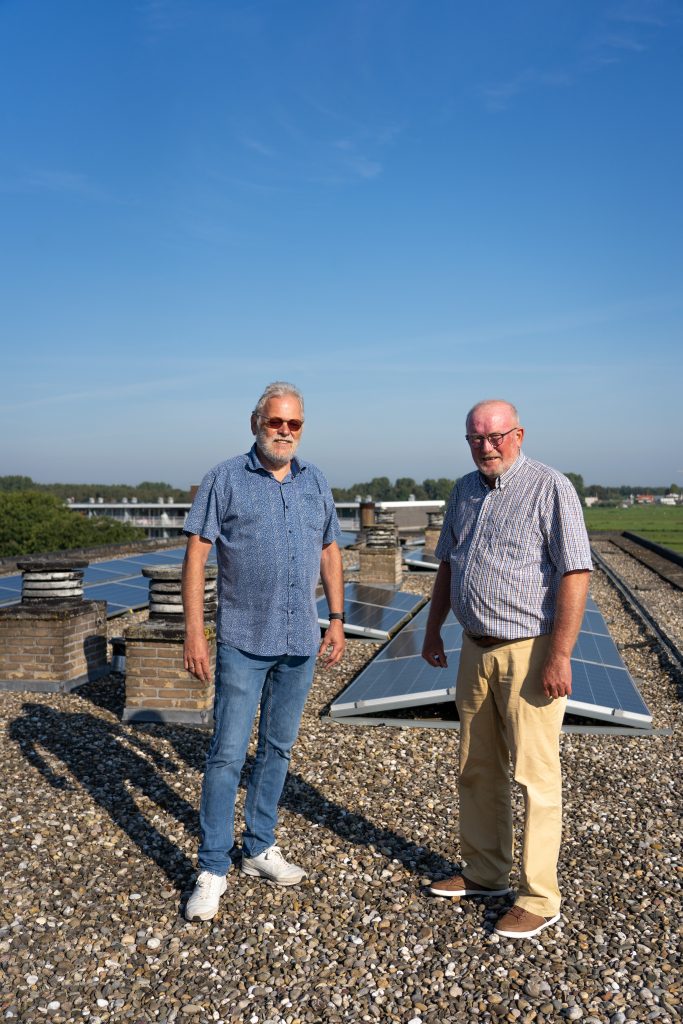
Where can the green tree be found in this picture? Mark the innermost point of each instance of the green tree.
(403, 488)
(438, 490)
(145, 491)
(16, 483)
(32, 523)
(577, 480)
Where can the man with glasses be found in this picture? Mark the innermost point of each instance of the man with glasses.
(272, 518)
(515, 565)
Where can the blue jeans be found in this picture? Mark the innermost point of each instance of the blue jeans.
(243, 681)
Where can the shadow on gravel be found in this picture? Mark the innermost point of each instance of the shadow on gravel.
(301, 798)
(108, 693)
(112, 762)
(97, 754)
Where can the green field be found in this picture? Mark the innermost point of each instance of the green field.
(660, 523)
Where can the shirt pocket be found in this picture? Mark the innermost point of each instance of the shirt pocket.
(313, 512)
(517, 547)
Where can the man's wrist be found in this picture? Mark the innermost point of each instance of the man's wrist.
(559, 652)
(337, 616)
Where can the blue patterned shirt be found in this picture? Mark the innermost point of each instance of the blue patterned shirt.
(269, 536)
(509, 547)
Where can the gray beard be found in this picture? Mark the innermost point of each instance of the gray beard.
(275, 457)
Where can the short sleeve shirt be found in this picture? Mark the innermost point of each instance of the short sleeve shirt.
(269, 536)
(509, 546)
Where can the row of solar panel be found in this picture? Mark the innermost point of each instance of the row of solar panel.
(118, 581)
(398, 677)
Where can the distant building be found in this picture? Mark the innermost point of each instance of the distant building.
(165, 518)
(645, 499)
(411, 516)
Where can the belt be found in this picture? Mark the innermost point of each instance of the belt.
(491, 641)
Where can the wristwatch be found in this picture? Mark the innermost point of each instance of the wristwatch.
(337, 615)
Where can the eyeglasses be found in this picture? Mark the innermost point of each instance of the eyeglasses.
(276, 422)
(495, 440)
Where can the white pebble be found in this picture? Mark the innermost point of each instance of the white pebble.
(153, 943)
(31, 979)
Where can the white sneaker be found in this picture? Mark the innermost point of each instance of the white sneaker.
(272, 865)
(203, 903)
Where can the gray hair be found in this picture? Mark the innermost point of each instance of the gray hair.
(278, 389)
(492, 401)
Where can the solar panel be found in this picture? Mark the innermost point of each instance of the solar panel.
(398, 677)
(408, 642)
(102, 574)
(10, 589)
(122, 595)
(373, 612)
(118, 581)
(415, 558)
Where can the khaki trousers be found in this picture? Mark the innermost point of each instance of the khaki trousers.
(505, 715)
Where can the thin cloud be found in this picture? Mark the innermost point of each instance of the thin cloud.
(638, 23)
(499, 96)
(365, 168)
(57, 181)
(626, 30)
(624, 43)
(639, 13)
(133, 389)
(258, 147)
(161, 16)
(63, 181)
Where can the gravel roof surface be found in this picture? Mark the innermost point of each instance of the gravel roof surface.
(99, 850)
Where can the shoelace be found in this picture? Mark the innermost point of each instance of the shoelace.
(207, 881)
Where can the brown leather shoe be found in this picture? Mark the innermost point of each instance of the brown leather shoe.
(518, 923)
(460, 885)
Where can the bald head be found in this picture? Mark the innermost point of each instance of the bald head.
(498, 407)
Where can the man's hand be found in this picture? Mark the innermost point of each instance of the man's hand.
(196, 657)
(557, 676)
(332, 644)
(433, 652)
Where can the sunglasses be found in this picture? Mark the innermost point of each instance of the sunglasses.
(275, 422)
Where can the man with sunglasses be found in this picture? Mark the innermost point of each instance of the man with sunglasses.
(272, 518)
(515, 565)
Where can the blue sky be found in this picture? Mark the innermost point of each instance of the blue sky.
(403, 207)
